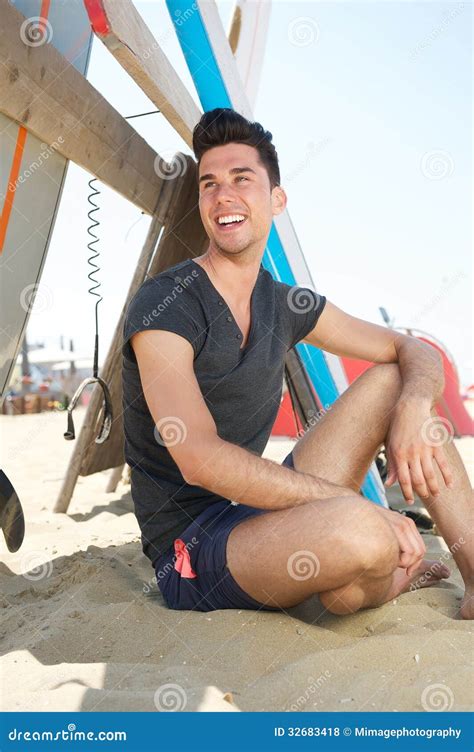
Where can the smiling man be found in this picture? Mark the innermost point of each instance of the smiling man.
(204, 350)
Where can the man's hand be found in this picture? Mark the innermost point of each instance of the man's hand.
(410, 543)
(410, 454)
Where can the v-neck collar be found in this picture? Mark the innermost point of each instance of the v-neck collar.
(244, 349)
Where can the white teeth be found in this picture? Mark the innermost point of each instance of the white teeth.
(230, 218)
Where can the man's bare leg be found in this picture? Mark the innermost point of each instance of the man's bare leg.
(353, 548)
(453, 513)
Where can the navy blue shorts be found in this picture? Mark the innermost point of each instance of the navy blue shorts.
(193, 573)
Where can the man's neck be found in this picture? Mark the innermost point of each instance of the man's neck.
(234, 277)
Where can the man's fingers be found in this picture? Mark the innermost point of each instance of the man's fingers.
(410, 542)
(444, 467)
(405, 482)
(418, 479)
(429, 474)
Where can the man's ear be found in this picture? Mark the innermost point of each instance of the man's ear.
(279, 200)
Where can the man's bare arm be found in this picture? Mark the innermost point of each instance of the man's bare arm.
(174, 398)
(411, 454)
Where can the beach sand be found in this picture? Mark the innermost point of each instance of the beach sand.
(83, 626)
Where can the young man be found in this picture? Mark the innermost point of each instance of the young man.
(204, 350)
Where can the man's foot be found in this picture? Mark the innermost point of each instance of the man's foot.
(467, 605)
(428, 573)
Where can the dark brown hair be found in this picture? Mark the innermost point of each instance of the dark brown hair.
(224, 126)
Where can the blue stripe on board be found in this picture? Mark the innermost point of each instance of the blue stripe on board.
(212, 92)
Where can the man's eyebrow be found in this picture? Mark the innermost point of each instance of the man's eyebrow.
(233, 171)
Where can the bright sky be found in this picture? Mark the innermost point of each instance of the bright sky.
(370, 109)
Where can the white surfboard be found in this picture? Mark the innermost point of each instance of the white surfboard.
(31, 179)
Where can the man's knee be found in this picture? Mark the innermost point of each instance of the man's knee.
(362, 535)
(380, 546)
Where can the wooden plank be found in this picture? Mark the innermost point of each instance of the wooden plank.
(123, 31)
(40, 89)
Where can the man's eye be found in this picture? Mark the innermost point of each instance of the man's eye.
(207, 184)
(242, 177)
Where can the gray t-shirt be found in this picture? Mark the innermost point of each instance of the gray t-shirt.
(242, 388)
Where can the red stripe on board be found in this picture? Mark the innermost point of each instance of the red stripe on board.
(97, 16)
(11, 185)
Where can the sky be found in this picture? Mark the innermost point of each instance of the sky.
(369, 105)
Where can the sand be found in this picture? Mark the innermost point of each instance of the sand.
(84, 628)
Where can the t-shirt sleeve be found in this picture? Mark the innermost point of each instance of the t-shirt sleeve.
(302, 308)
(162, 303)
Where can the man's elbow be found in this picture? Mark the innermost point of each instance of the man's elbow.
(197, 464)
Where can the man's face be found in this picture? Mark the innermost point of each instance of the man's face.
(233, 183)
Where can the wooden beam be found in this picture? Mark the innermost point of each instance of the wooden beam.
(123, 31)
(40, 89)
